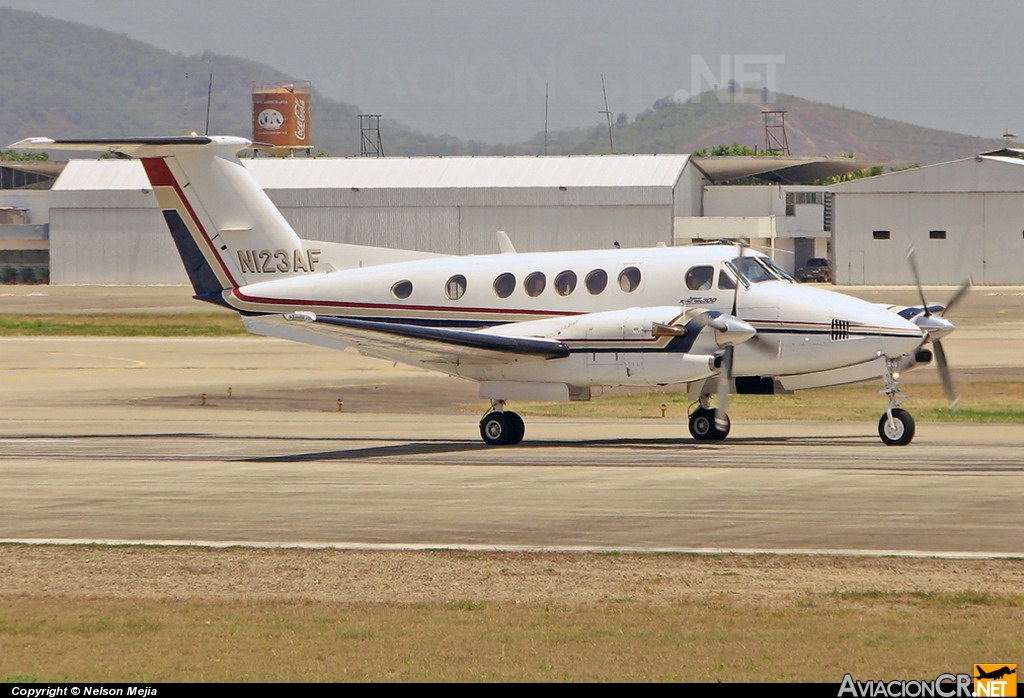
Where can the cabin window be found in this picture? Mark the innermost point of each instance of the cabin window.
(699, 278)
(629, 279)
(596, 281)
(565, 282)
(456, 287)
(504, 285)
(880, 234)
(402, 290)
(534, 284)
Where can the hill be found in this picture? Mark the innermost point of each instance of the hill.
(71, 80)
(813, 129)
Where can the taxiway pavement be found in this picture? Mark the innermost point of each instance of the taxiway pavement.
(98, 444)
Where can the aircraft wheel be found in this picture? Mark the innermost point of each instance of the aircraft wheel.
(898, 433)
(496, 429)
(703, 428)
(518, 429)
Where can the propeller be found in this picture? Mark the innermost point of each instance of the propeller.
(937, 326)
(725, 374)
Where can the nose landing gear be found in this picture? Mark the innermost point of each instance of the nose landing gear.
(896, 427)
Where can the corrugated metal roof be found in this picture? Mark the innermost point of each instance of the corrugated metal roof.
(982, 173)
(470, 172)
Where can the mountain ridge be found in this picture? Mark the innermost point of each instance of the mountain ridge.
(71, 80)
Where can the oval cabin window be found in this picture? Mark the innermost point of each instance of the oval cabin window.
(534, 284)
(629, 279)
(456, 287)
(596, 281)
(504, 285)
(565, 283)
(402, 290)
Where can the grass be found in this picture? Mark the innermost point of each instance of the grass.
(981, 402)
(815, 638)
(197, 325)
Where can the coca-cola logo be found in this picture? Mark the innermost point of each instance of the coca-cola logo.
(300, 116)
(270, 119)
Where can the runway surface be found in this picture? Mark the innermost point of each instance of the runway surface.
(97, 443)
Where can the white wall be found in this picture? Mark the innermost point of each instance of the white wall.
(983, 237)
(35, 201)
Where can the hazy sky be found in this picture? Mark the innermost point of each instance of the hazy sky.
(478, 68)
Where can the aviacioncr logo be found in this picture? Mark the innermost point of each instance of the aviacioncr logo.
(270, 118)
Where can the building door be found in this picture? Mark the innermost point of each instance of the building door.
(856, 267)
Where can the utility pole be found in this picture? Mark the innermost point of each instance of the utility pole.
(608, 114)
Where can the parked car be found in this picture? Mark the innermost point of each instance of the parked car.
(816, 269)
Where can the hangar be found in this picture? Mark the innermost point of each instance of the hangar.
(105, 226)
(962, 217)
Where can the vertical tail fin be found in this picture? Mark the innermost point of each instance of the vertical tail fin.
(227, 230)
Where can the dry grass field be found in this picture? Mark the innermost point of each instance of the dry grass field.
(140, 614)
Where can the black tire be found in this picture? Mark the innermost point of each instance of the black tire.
(900, 432)
(518, 429)
(496, 429)
(703, 427)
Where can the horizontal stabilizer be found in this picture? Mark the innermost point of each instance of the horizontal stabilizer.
(134, 146)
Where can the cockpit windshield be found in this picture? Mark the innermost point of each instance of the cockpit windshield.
(754, 270)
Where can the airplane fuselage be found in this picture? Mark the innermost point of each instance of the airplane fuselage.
(603, 305)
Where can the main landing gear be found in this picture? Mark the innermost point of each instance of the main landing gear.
(702, 422)
(500, 427)
(896, 427)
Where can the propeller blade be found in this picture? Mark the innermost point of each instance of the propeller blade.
(736, 291)
(946, 375)
(960, 293)
(724, 382)
(912, 260)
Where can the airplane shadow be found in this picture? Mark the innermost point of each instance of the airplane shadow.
(441, 447)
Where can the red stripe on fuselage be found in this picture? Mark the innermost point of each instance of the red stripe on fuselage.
(160, 175)
(260, 300)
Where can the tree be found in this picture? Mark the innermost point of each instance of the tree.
(15, 156)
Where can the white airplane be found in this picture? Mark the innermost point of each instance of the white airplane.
(540, 326)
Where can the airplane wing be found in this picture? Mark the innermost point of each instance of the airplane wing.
(406, 343)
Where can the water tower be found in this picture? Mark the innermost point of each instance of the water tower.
(281, 115)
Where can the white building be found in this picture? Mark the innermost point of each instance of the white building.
(788, 222)
(964, 217)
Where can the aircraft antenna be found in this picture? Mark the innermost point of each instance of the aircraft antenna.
(184, 108)
(608, 115)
